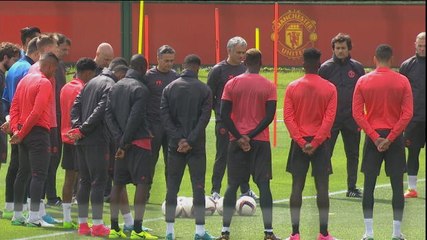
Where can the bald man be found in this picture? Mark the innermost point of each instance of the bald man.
(104, 55)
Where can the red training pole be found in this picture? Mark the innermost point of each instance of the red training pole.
(146, 46)
(217, 57)
(275, 49)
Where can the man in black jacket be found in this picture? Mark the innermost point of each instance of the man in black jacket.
(126, 119)
(185, 111)
(219, 75)
(414, 69)
(343, 72)
(156, 79)
(89, 129)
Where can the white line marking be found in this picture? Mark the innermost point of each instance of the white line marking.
(162, 218)
(339, 192)
(47, 235)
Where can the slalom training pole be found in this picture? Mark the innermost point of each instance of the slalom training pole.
(217, 57)
(146, 46)
(140, 26)
(257, 38)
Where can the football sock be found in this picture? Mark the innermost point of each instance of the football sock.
(115, 225)
(128, 219)
(369, 230)
(17, 214)
(170, 228)
(34, 216)
(42, 209)
(66, 211)
(97, 221)
(396, 228)
(412, 182)
(137, 226)
(200, 230)
(8, 206)
(82, 220)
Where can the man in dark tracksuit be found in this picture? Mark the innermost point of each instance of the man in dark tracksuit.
(55, 133)
(343, 72)
(127, 121)
(185, 112)
(104, 56)
(414, 69)
(156, 79)
(220, 74)
(89, 129)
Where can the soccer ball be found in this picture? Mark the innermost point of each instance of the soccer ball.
(180, 199)
(220, 206)
(210, 207)
(178, 210)
(246, 206)
(187, 207)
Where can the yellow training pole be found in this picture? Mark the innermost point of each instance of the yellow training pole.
(141, 25)
(257, 38)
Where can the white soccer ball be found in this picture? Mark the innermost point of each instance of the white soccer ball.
(178, 210)
(220, 205)
(210, 206)
(187, 207)
(180, 199)
(245, 206)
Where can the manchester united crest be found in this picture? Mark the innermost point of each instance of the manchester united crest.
(296, 32)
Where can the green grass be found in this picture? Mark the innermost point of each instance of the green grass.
(346, 218)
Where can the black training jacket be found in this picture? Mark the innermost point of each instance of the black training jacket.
(414, 69)
(88, 110)
(185, 110)
(344, 75)
(126, 113)
(156, 81)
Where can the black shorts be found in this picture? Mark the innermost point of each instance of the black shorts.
(256, 162)
(69, 157)
(394, 157)
(298, 161)
(134, 168)
(415, 135)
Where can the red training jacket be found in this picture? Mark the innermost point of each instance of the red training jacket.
(310, 107)
(67, 96)
(31, 104)
(35, 68)
(382, 99)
